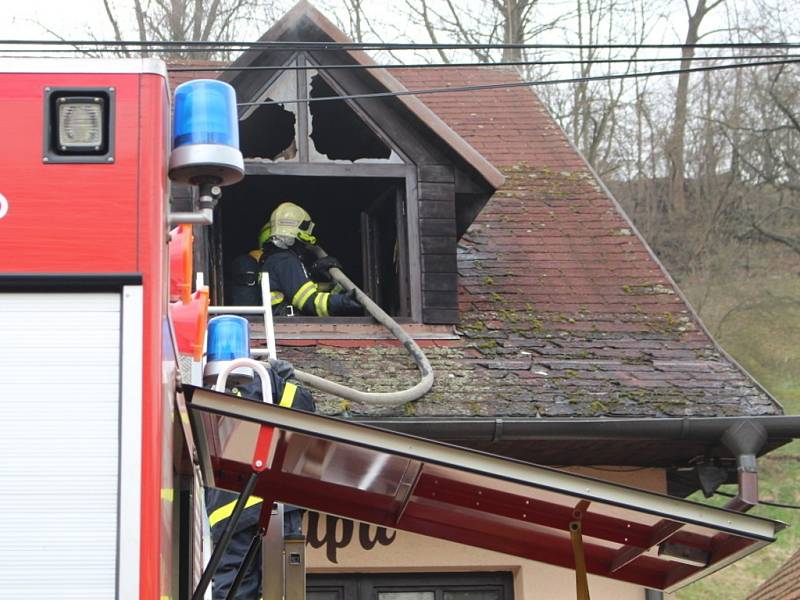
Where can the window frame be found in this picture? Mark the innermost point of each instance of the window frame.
(367, 586)
(410, 267)
(304, 63)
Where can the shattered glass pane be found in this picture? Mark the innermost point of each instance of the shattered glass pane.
(270, 130)
(336, 131)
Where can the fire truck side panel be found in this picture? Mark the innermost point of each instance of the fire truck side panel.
(68, 218)
(157, 485)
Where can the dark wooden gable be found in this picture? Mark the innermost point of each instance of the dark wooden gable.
(444, 192)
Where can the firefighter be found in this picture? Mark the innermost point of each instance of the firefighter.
(220, 503)
(291, 287)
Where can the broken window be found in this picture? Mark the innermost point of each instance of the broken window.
(293, 130)
(337, 132)
(270, 133)
(270, 130)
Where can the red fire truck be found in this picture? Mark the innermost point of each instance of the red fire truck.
(104, 449)
(94, 454)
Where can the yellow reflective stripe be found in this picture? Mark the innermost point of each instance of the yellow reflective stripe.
(226, 510)
(276, 297)
(321, 304)
(287, 398)
(303, 294)
(256, 254)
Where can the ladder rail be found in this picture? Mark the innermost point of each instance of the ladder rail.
(265, 310)
(272, 544)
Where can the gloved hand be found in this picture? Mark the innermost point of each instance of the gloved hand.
(319, 270)
(349, 304)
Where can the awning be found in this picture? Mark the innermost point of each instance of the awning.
(443, 491)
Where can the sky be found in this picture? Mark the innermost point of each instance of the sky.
(68, 18)
(86, 19)
(74, 18)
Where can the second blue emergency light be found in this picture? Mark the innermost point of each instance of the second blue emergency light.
(228, 339)
(205, 134)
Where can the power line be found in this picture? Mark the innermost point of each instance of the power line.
(517, 84)
(29, 53)
(149, 45)
(442, 65)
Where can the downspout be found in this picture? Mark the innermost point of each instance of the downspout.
(745, 439)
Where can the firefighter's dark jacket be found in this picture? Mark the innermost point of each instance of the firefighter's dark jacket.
(245, 270)
(291, 285)
(220, 503)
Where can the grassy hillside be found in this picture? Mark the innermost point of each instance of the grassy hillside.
(757, 320)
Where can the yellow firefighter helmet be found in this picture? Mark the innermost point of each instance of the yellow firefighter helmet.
(291, 221)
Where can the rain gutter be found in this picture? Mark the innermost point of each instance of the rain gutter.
(744, 437)
(701, 429)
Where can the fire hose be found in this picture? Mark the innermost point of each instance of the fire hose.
(380, 398)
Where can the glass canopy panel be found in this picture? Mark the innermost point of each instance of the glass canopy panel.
(486, 501)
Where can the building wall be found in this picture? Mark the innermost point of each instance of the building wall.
(339, 546)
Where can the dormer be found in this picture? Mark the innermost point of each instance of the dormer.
(390, 187)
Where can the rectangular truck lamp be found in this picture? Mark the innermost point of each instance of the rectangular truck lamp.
(80, 123)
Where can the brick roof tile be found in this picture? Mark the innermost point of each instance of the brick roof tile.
(784, 584)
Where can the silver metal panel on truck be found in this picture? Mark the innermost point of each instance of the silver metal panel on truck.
(60, 374)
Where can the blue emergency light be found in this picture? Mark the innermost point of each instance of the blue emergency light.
(205, 113)
(228, 339)
(205, 134)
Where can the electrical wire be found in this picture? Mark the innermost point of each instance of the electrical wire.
(439, 65)
(766, 502)
(149, 45)
(518, 84)
(435, 65)
(29, 53)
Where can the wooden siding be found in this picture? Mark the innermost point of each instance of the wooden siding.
(437, 239)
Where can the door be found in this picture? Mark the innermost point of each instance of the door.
(384, 251)
(70, 521)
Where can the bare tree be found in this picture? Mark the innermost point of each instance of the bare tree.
(352, 18)
(768, 156)
(675, 148)
(186, 21)
(508, 22)
(516, 21)
(599, 115)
